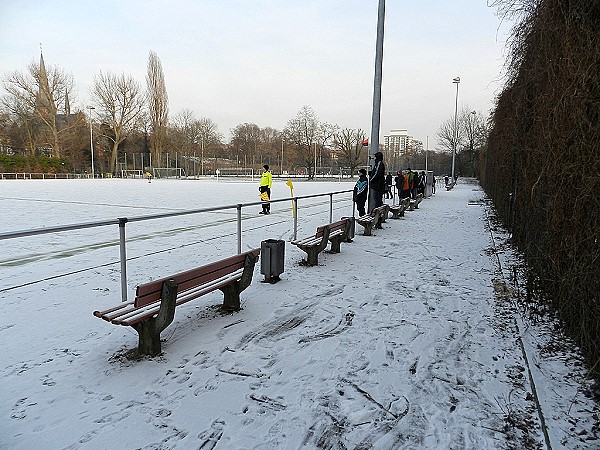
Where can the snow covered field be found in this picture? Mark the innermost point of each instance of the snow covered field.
(408, 339)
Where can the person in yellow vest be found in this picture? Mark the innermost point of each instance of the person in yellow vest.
(266, 180)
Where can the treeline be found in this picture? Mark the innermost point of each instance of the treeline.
(127, 126)
(542, 164)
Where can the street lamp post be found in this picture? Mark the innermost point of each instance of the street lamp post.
(202, 157)
(282, 157)
(455, 137)
(90, 108)
(472, 129)
(315, 173)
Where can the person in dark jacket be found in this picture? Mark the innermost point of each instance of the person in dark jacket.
(421, 185)
(399, 182)
(376, 182)
(388, 185)
(360, 192)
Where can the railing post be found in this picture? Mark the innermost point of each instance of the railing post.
(295, 206)
(330, 208)
(122, 222)
(239, 228)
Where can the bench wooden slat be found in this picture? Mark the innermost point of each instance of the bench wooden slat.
(139, 314)
(150, 292)
(308, 241)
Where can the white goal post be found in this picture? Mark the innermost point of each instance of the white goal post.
(132, 174)
(236, 172)
(168, 172)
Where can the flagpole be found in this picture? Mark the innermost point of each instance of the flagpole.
(374, 144)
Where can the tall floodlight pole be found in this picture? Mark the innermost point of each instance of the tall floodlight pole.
(455, 137)
(315, 160)
(282, 157)
(90, 108)
(426, 153)
(202, 157)
(374, 144)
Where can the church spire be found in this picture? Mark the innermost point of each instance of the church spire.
(44, 101)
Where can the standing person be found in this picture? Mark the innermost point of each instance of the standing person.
(421, 186)
(411, 182)
(388, 185)
(360, 192)
(266, 180)
(377, 182)
(433, 185)
(399, 182)
(415, 177)
(406, 185)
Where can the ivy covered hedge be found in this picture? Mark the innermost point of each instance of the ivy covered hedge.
(542, 166)
(41, 164)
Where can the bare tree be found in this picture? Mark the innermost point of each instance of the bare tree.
(158, 105)
(24, 126)
(349, 143)
(120, 102)
(245, 139)
(270, 145)
(325, 136)
(302, 133)
(447, 134)
(198, 138)
(38, 93)
(474, 130)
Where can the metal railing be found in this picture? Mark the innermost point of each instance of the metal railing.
(122, 221)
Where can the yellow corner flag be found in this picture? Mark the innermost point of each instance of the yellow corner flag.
(291, 185)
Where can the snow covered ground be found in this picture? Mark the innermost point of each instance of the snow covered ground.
(408, 339)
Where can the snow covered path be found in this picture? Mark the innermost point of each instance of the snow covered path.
(401, 341)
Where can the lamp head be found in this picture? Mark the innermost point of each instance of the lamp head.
(456, 80)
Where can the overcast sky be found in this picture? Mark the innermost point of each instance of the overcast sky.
(260, 61)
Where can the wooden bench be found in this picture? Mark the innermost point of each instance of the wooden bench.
(450, 185)
(373, 220)
(154, 306)
(336, 233)
(398, 210)
(414, 202)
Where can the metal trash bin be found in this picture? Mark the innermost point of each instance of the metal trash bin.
(272, 255)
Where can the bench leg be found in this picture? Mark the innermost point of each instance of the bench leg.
(231, 296)
(149, 330)
(312, 256)
(368, 229)
(336, 244)
(231, 292)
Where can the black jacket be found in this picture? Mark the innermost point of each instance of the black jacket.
(377, 177)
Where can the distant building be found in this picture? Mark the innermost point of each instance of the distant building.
(396, 143)
(397, 146)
